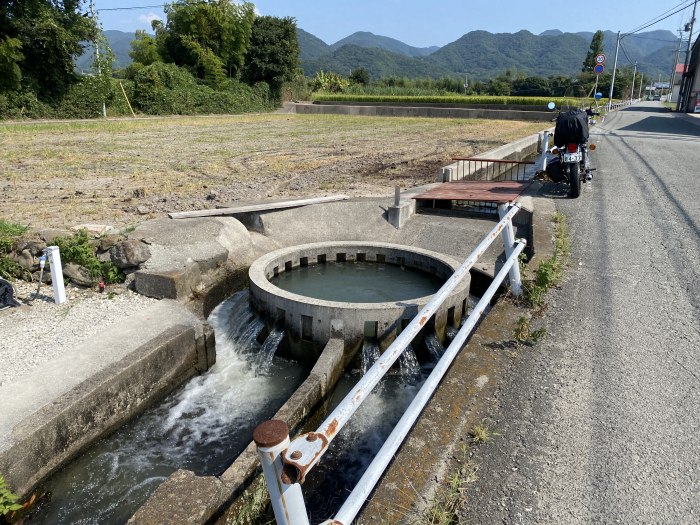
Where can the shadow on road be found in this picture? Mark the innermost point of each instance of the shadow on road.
(646, 109)
(553, 190)
(668, 125)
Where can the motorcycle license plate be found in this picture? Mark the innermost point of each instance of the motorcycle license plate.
(572, 157)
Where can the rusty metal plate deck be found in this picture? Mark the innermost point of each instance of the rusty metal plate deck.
(476, 190)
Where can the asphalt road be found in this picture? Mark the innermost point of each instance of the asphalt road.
(600, 422)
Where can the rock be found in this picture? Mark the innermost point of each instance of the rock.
(103, 257)
(35, 246)
(26, 260)
(45, 278)
(50, 234)
(107, 241)
(129, 253)
(78, 274)
(143, 210)
(94, 229)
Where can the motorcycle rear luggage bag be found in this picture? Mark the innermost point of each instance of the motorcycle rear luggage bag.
(571, 127)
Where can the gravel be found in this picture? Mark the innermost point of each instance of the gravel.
(41, 330)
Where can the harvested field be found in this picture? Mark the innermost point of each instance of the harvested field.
(121, 172)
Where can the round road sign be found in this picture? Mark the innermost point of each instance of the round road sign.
(600, 59)
(598, 69)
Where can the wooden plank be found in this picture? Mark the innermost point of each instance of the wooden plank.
(280, 205)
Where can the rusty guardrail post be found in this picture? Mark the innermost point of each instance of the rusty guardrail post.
(272, 439)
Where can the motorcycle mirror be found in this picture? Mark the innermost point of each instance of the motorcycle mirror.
(551, 106)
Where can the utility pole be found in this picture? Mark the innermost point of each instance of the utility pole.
(641, 80)
(675, 64)
(97, 53)
(634, 76)
(685, 83)
(612, 83)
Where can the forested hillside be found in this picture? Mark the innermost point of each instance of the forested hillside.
(478, 54)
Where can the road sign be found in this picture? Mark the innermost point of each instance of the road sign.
(598, 69)
(600, 58)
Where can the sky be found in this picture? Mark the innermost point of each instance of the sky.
(425, 24)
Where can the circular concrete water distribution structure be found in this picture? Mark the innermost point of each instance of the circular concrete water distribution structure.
(353, 290)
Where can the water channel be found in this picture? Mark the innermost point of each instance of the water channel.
(205, 424)
(201, 427)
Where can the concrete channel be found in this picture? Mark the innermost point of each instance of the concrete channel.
(66, 405)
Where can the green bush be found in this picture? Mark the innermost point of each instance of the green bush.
(9, 231)
(165, 89)
(77, 249)
(7, 499)
(16, 105)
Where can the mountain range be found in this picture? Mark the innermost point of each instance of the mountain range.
(477, 54)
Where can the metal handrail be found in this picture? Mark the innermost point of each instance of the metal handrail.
(286, 464)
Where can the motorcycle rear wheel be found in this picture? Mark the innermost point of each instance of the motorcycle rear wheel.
(574, 181)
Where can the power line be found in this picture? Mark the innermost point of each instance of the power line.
(660, 18)
(131, 8)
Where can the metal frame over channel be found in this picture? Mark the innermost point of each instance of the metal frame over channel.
(286, 464)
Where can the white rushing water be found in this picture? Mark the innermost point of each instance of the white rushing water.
(200, 427)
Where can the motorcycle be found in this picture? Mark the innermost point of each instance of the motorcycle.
(570, 154)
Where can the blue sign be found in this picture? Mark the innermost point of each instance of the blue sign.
(598, 96)
(598, 69)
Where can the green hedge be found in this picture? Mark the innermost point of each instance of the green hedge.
(157, 89)
(455, 99)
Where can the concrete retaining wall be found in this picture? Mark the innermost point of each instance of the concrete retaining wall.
(418, 111)
(65, 405)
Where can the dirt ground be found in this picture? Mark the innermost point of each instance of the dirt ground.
(122, 172)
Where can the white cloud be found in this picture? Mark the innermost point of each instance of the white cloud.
(147, 19)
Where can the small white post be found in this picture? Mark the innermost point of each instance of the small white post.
(545, 149)
(509, 246)
(272, 439)
(59, 289)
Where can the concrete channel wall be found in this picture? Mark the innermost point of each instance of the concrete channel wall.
(67, 404)
(421, 111)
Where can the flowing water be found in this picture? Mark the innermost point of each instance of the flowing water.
(370, 354)
(434, 345)
(201, 427)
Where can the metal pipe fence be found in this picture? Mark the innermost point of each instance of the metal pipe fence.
(286, 464)
(473, 168)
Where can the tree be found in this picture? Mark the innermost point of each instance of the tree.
(273, 56)
(144, 49)
(50, 33)
(10, 58)
(595, 49)
(211, 37)
(360, 76)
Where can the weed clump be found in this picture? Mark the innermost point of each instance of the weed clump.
(10, 269)
(77, 249)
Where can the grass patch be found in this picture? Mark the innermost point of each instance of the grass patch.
(443, 508)
(9, 231)
(549, 271)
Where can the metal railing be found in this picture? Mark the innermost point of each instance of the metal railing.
(286, 464)
(473, 168)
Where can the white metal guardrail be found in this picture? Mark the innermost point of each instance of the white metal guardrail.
(286, 464)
